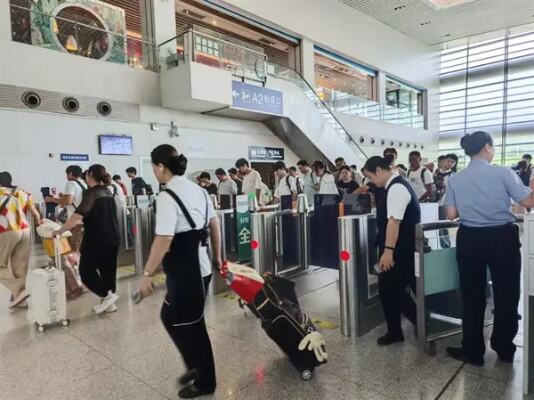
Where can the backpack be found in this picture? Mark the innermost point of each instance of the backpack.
(149, 190)
(439, 181)
(297, 184)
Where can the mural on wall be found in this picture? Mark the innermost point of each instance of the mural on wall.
(80, 27)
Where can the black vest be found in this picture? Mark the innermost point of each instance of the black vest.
(405, 246)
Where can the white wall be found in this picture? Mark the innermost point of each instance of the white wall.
(369, 128)
(350, 32)
(209, 142)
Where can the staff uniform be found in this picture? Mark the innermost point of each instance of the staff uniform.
(182, 312)
(400, 202)
(100, 244)
(487, 237)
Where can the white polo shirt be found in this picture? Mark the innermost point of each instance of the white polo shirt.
(418, 184)
(74, 189)
(251, 182)
(286, 186)
(170, 219)
(398, 199)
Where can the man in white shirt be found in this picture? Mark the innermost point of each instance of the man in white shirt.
(227, 186)
(420, 178)
(287, 185)
(307, 177)
(251, 178)
(71, 198)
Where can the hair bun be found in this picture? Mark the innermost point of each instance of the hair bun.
(178, 164)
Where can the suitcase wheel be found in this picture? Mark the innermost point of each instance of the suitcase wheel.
(306, 375)
(65, 322)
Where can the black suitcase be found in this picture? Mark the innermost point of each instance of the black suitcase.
(282, 319)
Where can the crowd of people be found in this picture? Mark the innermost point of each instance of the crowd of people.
(89, 205)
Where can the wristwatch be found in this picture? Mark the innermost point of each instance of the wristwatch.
(389, 248)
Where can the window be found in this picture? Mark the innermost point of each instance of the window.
(401, 95)
(487, 83)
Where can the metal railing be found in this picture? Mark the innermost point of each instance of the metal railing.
(438, 296)
(61, 34)
(246, 61)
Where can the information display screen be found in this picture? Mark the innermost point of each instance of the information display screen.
(115, 145)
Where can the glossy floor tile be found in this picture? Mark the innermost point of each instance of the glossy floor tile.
(127, 355)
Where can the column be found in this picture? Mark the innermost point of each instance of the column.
(307, 61)
(381, 87)
(5, 21)
(163, 22)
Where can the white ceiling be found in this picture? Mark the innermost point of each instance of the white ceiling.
(420, 20)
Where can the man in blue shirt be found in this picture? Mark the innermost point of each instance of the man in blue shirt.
(481, 197)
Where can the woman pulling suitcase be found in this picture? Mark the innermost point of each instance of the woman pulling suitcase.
(182, 220)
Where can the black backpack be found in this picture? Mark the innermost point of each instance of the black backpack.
(297, 184)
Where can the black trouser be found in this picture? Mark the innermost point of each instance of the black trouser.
(206, 280)
(393, 288)
(499, 249)
(194, 344)
(98, 268)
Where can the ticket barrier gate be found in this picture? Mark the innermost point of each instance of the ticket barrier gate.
(228, 231)
(528, 296)
(280, 239)
(360, 308)
(438, 300)
(143, 234)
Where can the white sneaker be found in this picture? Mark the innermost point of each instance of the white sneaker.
(111, 309)
(21, 297)
(107, 302)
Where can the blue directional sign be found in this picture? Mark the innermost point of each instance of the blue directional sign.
(258, 98)
(74, 157)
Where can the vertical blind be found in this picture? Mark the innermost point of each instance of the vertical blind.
(487, 83)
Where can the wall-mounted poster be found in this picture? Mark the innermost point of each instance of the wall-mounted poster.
(81, 27)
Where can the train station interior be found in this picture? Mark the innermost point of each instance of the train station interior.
(281, 110)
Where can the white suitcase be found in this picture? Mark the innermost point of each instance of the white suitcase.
(48, 295)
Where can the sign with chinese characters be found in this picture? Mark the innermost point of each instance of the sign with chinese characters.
(258, 98)
(265, 153)
(74, 157)
(244, 233)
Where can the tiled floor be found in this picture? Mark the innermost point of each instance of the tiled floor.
(127, 355)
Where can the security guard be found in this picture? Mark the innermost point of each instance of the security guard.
(184, 214)
(480, 197)
(398, 213)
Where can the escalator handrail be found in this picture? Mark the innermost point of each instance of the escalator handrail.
(323, 103)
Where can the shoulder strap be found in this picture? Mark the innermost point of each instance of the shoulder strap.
(182, 207)
(208, 199)
(287, 183)
(8, 198)
(80, 184)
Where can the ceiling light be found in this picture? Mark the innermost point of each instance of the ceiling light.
(442, 4)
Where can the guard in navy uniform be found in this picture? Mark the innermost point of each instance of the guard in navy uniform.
(398, 213)
(480, 197)
(184, 214)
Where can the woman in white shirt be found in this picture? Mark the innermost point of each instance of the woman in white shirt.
(184, 213)
(325, 181)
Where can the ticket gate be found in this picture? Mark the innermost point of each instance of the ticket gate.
(144, 225)
(360, 308)
(528, 296)
(280, 240)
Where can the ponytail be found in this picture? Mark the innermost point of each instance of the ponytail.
(167, 156)
(99, 174)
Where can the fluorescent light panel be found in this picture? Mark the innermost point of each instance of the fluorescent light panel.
(442, 4)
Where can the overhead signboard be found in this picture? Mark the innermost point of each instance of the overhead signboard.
(74, 157)
(259, 153)
(257, 98)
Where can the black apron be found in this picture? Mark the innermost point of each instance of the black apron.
(185, 286)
